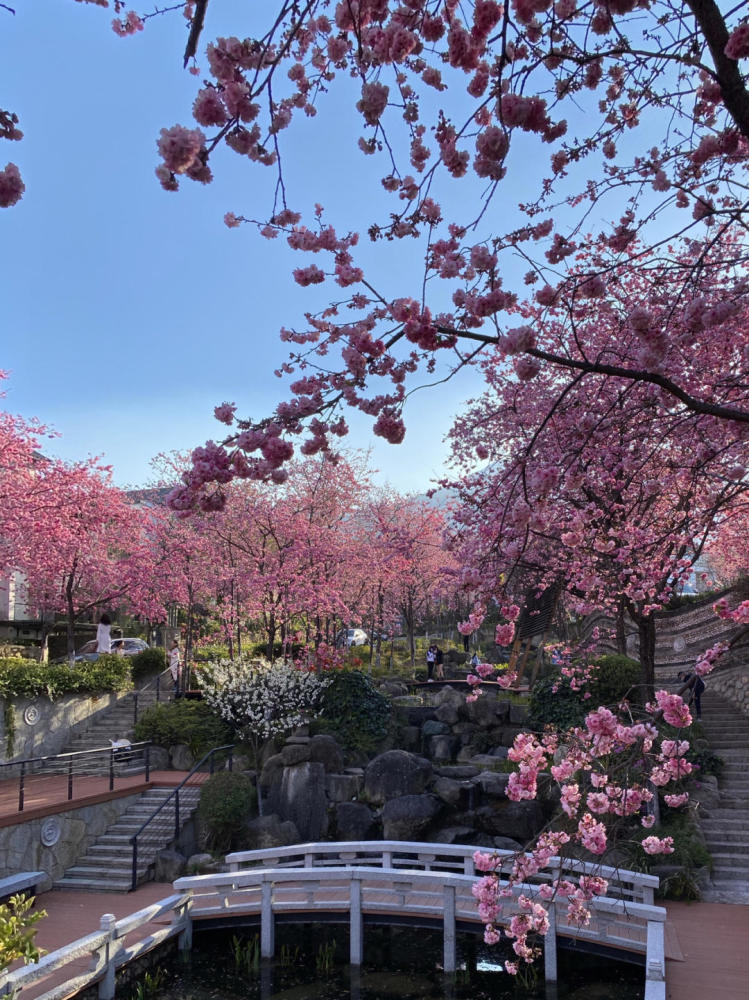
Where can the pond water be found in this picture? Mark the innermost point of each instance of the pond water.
(401, 963)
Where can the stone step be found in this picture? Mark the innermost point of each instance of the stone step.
(93, 885)
(728, 845)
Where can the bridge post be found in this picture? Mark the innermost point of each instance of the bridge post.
(550, 946)
(267, 922)
(356, 926)
(107, 958)
(448, 932)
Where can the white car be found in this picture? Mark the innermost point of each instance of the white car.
(352, 637)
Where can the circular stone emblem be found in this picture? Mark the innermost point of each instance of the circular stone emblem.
(679, 644)
(50, 831)
(32, 715)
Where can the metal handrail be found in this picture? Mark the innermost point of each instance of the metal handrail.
(175, 795)
(114, 753)
(146, 687)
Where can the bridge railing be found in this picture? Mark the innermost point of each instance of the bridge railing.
(441, 896)
(623, 884)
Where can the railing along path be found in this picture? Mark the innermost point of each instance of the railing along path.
(378, 879)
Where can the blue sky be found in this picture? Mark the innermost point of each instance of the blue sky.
(129, 312)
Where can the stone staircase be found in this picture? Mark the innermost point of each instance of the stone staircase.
(118, 721)
(726, 828)
(107, 865)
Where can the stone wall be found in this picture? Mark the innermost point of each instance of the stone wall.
(44, 727)
(54, 843)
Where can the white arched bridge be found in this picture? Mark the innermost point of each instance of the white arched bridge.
(370, 881)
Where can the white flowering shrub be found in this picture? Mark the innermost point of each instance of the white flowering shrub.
(261, 699)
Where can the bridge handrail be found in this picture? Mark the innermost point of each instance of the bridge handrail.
(381, 853)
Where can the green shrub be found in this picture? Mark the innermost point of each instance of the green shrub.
(148, 661)
(554, 703)
(184, 721)
(689, 854)
(29, 679)
(17, 930)
(227, 802)
(617, 677)
(214, 651)
(356, 711)
(260, 649)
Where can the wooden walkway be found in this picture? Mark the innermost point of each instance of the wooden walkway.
(47, 794)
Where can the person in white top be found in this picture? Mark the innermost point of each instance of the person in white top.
(174, 665)
(104, 634)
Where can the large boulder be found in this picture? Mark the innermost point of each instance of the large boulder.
(295, 753)
(326, 751)
(170, 864)
(342, 787)
(447, 713)
(432, 727)
(301, 798)
(270, 831)
(354, 821)
(409, 816)
(272, 771)
(518, 820)
(183, 758)
(448, 790)
(396, 773)
(460, 772)
(158, 759)
(443, 747)
(493, 784)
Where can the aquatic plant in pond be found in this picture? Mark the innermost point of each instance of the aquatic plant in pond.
(401, 963)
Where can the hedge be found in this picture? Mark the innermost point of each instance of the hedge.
(28, 679)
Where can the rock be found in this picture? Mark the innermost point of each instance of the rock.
(170, 864)
(198, 863)
(242, 763)
(269, 831)
(486, 761)
(507, 844)
(460, 772)
(272, 771)
(503, 710)
(418, 716)
(518, 714)
(407, 701)
(295, 753)
(301, 799)
(408, 817)
(448, 790)
(442, 747)
(394, 689)
(500, 752)
(182, 758)
(410, 738)
(706, 793)
(434, 728)
(483, 712)
(518, 820)
(342, 787)
(326, 751)
(354, 821)
(493, 784)
(447, 714)
(158, 758)
(454, 835)
(396, 773)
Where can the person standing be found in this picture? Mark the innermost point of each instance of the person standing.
(431, 657)
(695, 685)
(175, 666)
(439, 661)
(104, 634)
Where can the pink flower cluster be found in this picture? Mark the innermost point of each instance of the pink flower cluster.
(11, 186)
(737, 46)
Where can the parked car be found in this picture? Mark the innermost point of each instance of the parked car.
(352, 637)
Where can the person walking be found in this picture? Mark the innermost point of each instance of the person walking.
(695, 685)
(175, 666)
(104, 634)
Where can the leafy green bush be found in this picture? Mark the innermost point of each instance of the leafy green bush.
(190, 722)
(227, 801)
(554, 703)
(148, 661)
(17, 930)
(617, 676)
(356, 711)
(29, 679)
(213, 651)
(689, 854)
(261, 649)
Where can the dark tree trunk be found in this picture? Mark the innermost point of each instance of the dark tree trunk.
(646, 630)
